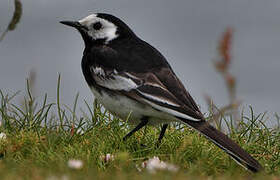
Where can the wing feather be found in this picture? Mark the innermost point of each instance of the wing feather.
(148, 87)
(113, 80)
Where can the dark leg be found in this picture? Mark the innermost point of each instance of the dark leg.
(163, 129)
(143, 122)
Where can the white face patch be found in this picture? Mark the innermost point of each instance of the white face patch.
(107, 31)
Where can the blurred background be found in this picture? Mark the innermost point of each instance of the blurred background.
(187, 33)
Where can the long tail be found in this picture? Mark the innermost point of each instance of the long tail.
(226, 144)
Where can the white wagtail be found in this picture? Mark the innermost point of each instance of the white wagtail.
(130, 77)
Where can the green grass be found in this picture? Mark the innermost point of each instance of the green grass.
(42, 137)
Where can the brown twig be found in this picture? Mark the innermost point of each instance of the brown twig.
(222, 65)
(15, 20)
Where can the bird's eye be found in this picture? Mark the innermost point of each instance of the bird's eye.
(97, 26)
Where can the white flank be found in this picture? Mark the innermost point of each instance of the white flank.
(171, 111)
(149, 96)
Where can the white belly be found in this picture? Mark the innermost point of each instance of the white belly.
(126, 108)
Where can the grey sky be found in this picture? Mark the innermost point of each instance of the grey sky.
(185, 31)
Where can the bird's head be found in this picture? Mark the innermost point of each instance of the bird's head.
(100, 28)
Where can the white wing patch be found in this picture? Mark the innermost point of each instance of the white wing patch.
(117, 83)
(149, 96)
(170, 111)
(113, 81)
(131, 76)
(155, 85)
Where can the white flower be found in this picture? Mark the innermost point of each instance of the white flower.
(3, 136)
(107, 158)
(154, 164)
(75, 164)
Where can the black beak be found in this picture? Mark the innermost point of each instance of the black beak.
(74, 24)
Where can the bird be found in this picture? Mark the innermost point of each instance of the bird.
(130, 77)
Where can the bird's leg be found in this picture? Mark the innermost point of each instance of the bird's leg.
(163, 129)
(143, 122)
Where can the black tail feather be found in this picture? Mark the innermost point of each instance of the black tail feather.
(226, 144)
